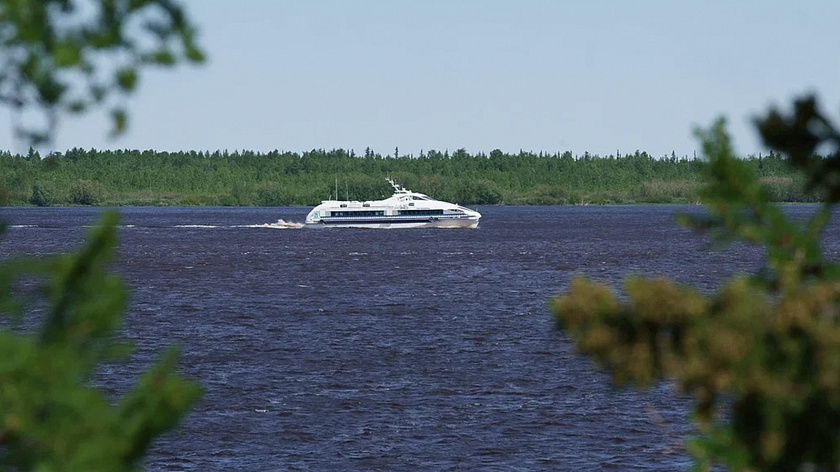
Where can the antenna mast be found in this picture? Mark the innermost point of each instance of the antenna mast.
(396, 187)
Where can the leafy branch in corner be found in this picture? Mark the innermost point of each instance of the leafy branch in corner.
(66, 56)
(51, 417)
(761, 357)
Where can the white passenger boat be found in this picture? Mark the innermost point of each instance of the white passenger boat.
(404, 209)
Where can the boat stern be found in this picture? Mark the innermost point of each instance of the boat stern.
(314, 216)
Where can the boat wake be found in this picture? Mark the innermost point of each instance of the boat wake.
(280, 224)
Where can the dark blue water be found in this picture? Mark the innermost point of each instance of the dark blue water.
(344, 349)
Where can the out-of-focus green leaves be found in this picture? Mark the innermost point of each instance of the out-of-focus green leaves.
(161, 58)
(194, 54)
(54, 56)
(761, 357)
(67, 54)
(799, 136)
(51, 418)
(120, 119)
(55, 53)
(127, 79)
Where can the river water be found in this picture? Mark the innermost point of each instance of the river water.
(391, 350)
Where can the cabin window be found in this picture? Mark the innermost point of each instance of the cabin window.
(425, 212)
(351, 213)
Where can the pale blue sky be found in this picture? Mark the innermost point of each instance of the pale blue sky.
(596, 76)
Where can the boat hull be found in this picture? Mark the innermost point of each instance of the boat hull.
(393, 223)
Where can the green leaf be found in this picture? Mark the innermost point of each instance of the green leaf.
(127, 79)
(161, 57)
(194, 54)
(77, 106)
(67, 54)
(119, 119)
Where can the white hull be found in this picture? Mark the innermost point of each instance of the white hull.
(462, 223)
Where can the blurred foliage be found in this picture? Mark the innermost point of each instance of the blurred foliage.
(62, 314)
(761, 357)
(66, 56)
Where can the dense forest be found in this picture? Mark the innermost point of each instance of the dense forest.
(130, 177)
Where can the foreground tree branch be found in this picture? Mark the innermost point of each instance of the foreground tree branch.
(51, 417)
(761, 357)
(68, 56)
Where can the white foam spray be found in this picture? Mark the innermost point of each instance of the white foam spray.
(280, 224)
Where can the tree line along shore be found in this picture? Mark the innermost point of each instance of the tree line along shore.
(245, 178)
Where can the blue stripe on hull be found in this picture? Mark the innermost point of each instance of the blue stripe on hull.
(354, 221)
(391, 220)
